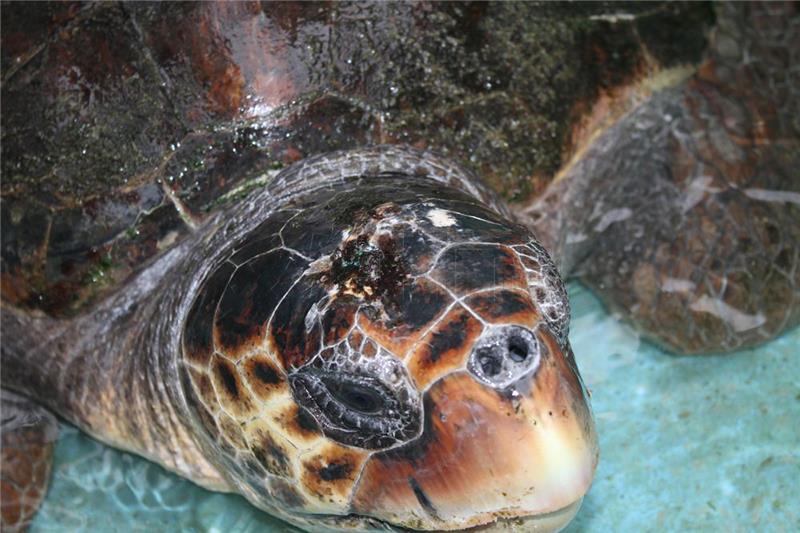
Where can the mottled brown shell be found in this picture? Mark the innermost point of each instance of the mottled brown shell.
(125, 124)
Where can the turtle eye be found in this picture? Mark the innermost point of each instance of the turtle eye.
(356, 397)
(358, 410)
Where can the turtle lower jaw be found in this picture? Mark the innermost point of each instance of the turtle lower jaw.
(516, 521)
(541, 523)
(512, 522)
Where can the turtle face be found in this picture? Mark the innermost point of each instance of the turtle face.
(396, 358)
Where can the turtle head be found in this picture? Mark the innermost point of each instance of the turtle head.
(392, 354)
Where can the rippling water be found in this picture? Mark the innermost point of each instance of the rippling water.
(701, 443)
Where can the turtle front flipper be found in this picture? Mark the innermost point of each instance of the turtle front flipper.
(28, 437)
(684, 215)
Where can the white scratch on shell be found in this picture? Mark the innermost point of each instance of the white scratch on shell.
(573, 238)
(677, 285)
(697, 190)
(615, 215)
(613, 17)
(167, 241)
(738, 320)
(766, 195)
(441, 218)
(311, 317)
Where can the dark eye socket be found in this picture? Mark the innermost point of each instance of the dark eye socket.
(356, 397)
(356, 410)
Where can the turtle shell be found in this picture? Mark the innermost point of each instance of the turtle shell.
(125, 125)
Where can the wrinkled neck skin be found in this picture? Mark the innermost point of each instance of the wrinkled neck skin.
(114, 372)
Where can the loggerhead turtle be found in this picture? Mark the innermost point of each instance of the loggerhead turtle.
(371, 338)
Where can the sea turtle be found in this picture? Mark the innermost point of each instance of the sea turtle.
(229, 244)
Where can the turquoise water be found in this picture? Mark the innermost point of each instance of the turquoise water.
(702, 443)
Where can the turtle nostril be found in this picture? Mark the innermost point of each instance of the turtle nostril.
(504, 354)
(490, 364)
(517, 349)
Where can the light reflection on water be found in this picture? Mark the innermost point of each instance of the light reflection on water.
(693, 443)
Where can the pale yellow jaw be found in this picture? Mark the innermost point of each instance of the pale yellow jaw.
(488, 461)
(546, 523)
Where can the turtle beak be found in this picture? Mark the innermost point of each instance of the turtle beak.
(527, 451)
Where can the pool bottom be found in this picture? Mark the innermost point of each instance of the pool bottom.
(687, 444)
